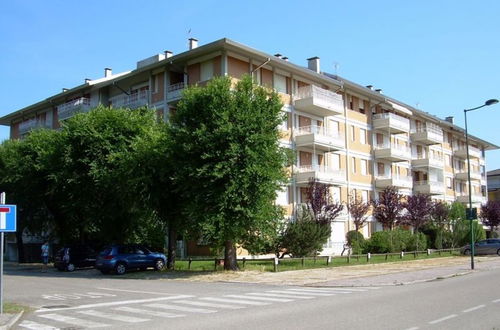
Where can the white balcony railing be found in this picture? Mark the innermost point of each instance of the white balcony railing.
(322, 169)
(69, 109)
(319, 101)
(319, 130)
(27, 125)
(402, 181)
(174, 91)
(321, 173)
(132, 101)
(432, 157)
(391, 120)
(461, 151)
(429, 187)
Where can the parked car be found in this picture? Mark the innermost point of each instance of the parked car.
(487, 246)
(121, 258)
(72, 257)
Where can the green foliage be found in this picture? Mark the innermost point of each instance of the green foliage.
(305, 237)
(457, 211)
(228, 157)
(461, 232)
(395, 241)
(356, 241)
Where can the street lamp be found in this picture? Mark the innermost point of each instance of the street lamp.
(487, 103)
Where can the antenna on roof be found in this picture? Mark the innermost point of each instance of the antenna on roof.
(417, 105)
(336, 66)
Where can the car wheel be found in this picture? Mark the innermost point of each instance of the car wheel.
(70, 267)
(120, 269)
(159, 264)
(467, 252)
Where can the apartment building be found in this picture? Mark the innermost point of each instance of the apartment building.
(352, 137)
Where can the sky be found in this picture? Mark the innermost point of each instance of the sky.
(439, 56)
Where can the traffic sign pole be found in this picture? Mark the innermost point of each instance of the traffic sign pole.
(2, 201)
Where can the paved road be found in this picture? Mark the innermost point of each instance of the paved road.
(87, 300)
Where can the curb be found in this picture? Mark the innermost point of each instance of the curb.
(12, 321)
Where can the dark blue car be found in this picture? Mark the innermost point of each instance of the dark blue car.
(120, 258)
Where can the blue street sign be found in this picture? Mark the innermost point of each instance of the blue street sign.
(8, 218)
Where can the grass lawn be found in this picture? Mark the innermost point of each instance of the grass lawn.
(12, 308)
(308, 263)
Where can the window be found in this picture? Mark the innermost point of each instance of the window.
(362, 106)
(364, 196)
(448, 183)
(362, 136)
(448, 160)
(351, 105)
(353, 133)
(353, 164)
(380, 169)
(207, 70)
(280, 83)
(364, 167)
(336, 161)
(336, 194)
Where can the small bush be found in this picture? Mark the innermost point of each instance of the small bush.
(356, 241)
(395, 241)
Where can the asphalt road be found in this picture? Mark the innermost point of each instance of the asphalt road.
(86, 299)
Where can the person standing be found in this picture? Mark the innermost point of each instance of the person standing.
(45, 255)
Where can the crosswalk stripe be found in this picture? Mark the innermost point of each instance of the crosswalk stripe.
(258, 298)
(114, 317)
(338, 289)
(74, 321)
(182, 308)
(207, 304)
(312, 291)
(36, 326)
(147, 312)
(235, 301)
(279, 295)
(302, 293)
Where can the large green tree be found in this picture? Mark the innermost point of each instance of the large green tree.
(230, 163)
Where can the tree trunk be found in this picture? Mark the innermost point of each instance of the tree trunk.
(20, 246)
(172, 247)
(230, 262)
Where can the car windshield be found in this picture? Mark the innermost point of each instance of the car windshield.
(105, 252)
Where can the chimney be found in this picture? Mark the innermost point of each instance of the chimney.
(107, 72)
(449, 119)
(379, 90)
(168, 53)
(370, 87)
(285, 58)
(313, 64)
(65, 90)
(278, 55)
(87, 80)
(193, 43)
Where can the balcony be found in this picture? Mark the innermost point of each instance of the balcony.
(462, 175)
(426, 160)
(391, 123)
(319, 137)
(322, 174)
(319, 101)
(174, 92)
(429, 187)
(132, 101)
(461, 152)
(71, 108)
(430, 134)
(392, 152)
(464, 198)
(27, 125)
(395, 181)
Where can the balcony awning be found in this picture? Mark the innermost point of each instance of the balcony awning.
(400, 108)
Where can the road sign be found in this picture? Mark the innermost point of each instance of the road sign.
(471, 214)
(7, 218)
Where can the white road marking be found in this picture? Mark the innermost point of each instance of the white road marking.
(235, 301)
(337, 289)
(182, 308)
(74, 321)
(112, 303)
(473, 308)
(443, 319)
(36, 326)
(114, 317)
(414, 328)
(258, 298)
(147, 312)
(314, 291)
(134, 291)
(102, 294)
(279, 295)
(495, 301)
(301, 293)
(207, 304)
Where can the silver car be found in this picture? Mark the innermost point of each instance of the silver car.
(487, 246)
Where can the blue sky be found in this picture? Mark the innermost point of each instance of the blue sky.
(441, 56)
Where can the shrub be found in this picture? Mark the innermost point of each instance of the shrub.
(462, 232)
(395, 241)
(356, 241)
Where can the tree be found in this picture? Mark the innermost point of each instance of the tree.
(321, 204)
(440, 212)
(418, 211)
(229, 161)
(458, 223)
(389, 207)
(490, 214)
(358, 209)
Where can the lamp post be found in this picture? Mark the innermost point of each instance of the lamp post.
(487, 103)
